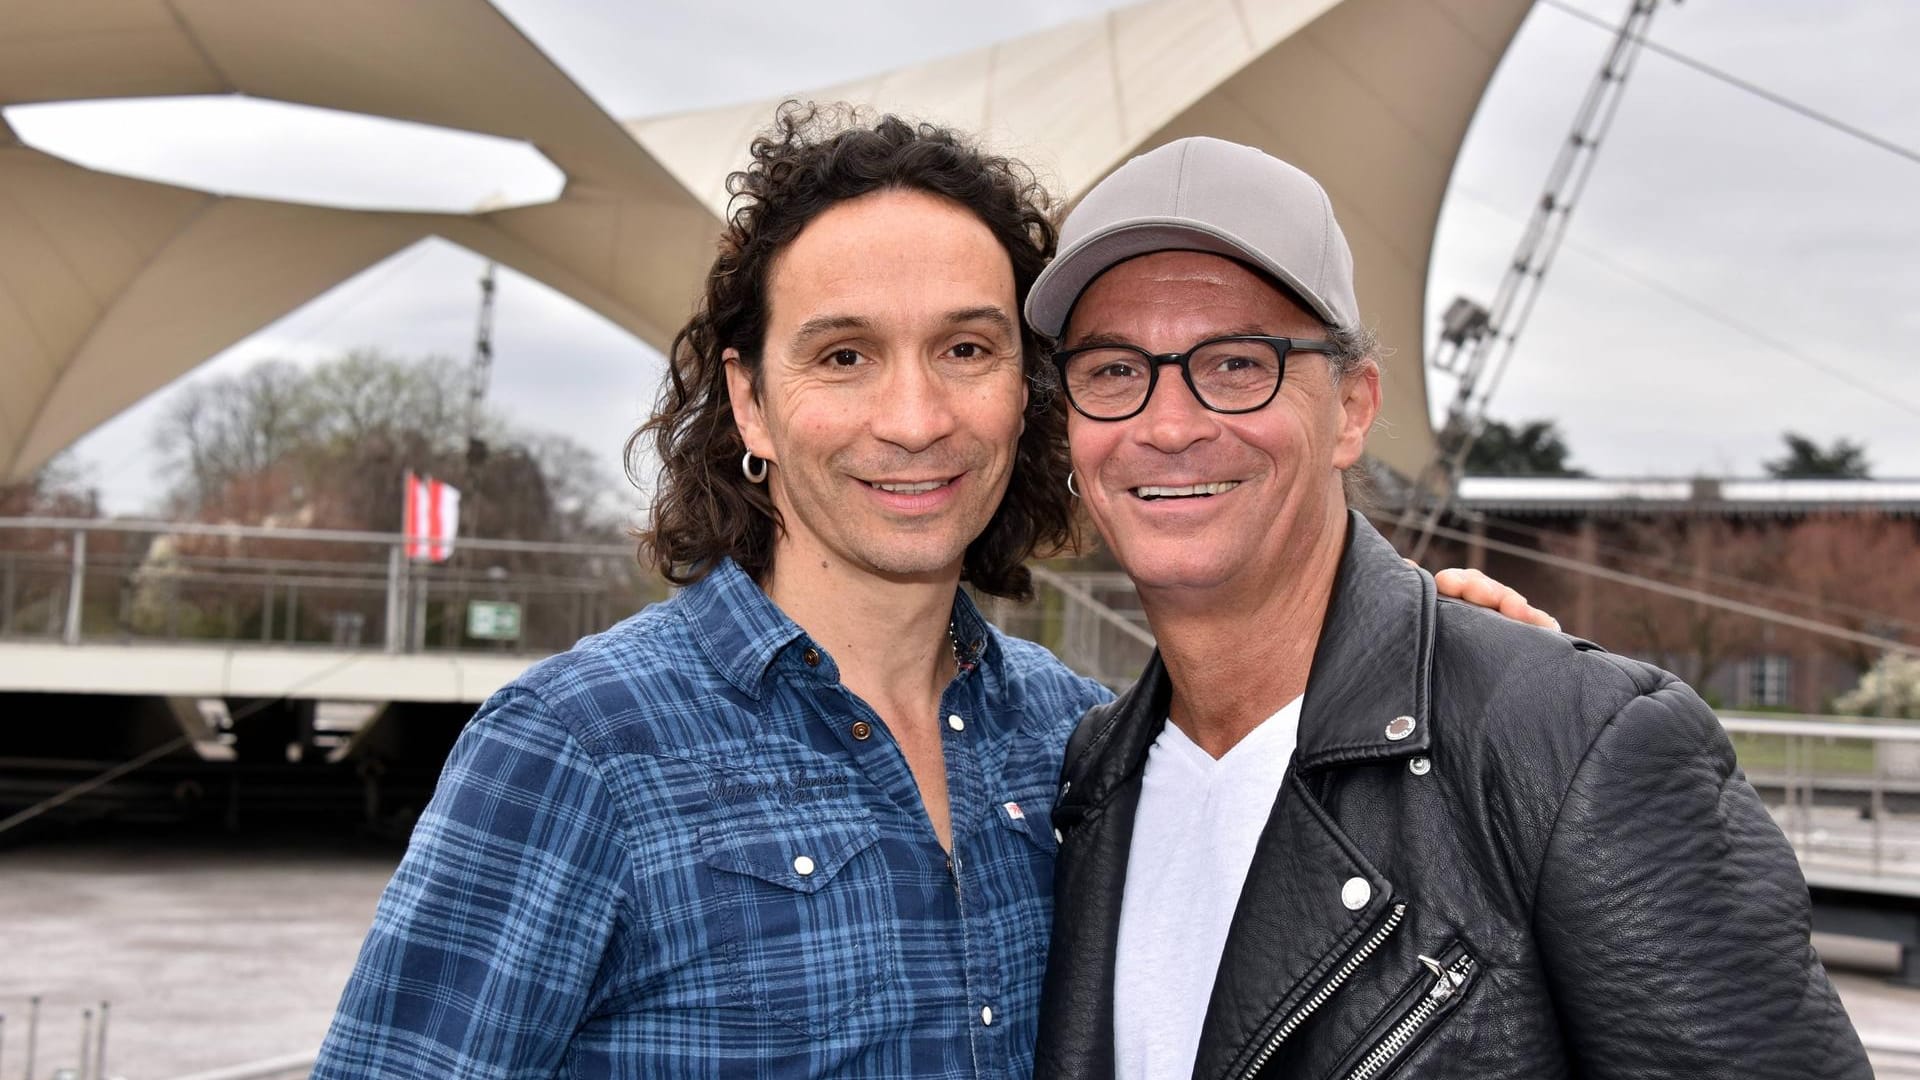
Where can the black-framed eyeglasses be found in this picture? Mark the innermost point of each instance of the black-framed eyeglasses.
(1238, 374)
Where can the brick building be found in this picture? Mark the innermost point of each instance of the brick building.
(1844, 553)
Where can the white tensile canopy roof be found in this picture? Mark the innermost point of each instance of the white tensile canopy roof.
(112, 287)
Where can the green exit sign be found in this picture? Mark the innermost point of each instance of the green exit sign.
(493, 620)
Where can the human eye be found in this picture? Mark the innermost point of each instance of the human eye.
(842, 358)
(1105, 371)
(970, 350)
(1235, 359)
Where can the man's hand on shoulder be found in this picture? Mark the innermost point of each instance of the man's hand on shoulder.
(1476, 588)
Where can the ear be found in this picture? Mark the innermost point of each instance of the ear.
(746, 406)
(1359, 394)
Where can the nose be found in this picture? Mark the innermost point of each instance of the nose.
(1173, 418)
(914, 408)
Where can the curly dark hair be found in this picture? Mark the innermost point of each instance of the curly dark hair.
(813, 157)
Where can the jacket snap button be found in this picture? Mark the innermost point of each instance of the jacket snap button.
(1399, 728)
(862, 730)
(1419, 766)
(956, 723)
(804, 866)
(1057, 838)
(1355, 893)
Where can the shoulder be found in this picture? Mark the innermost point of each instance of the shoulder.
(1491, 671)
(1524, 712)
(1036, 683)
(640, 679)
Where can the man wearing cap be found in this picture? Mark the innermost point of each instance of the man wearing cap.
(1341, 828)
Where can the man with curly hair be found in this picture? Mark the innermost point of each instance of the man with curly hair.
(794, 821)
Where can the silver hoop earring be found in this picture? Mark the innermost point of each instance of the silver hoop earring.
(754, 476)
(1071, 490)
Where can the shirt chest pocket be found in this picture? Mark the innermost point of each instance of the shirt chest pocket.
(803, 915)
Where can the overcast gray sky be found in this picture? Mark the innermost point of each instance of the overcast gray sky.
(1734, 271)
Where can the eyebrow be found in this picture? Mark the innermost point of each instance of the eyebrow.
(1109, 338)
(821, 325)
(986, 313)
(826, 324)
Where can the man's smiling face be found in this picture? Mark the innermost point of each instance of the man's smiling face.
(891, 391)
(1193, 500)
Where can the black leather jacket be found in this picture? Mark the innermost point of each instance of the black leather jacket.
(1563, 831)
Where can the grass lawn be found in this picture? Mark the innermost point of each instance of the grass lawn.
(1768, 753)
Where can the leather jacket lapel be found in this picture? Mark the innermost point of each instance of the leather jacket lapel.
(1291, 931)
(1373, 665)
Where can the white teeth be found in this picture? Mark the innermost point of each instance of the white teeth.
(910, 489)
(1153, 492)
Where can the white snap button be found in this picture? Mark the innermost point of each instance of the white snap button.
(1355, 893)
(1419, 766)
(986, 1015)
(804, 866)
(1399, 728)
(955, 722)
(1065, 787)
(1057, 838)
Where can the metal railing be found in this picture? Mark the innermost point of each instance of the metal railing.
(1845, 790)
(1092, 622)
(81, 580)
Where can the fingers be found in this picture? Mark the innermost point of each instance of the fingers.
(1478, 589)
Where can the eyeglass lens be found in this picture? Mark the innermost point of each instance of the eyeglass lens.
(1229, 376)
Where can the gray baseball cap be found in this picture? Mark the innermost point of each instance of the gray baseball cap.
(1203, 194)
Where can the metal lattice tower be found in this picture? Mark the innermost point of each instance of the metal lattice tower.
(481, 372)
(1477, 343)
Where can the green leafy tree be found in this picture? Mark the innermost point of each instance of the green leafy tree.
(1531, 448)
(1805, 458)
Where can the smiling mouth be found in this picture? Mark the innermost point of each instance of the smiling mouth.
(1187, 491)
(918, 487)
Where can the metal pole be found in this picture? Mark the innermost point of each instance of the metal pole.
(86, 1043)
(100, 1050)
(417, 628)
(77, 587)
(6, 599)
(396, 560)
(1878, 806)
(33, 1031)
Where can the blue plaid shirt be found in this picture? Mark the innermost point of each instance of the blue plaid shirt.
(684, 849)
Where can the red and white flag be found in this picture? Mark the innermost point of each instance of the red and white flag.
(433, 518)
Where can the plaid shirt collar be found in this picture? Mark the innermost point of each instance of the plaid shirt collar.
(742, 632)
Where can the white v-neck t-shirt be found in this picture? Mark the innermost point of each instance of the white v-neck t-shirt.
(1193, 840)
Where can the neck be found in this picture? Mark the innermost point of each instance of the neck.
(1236, 653)
(888, 635)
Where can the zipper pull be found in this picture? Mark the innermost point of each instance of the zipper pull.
(1444, 982)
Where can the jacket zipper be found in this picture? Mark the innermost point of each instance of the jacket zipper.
(1447, 981)
(1320, 996)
